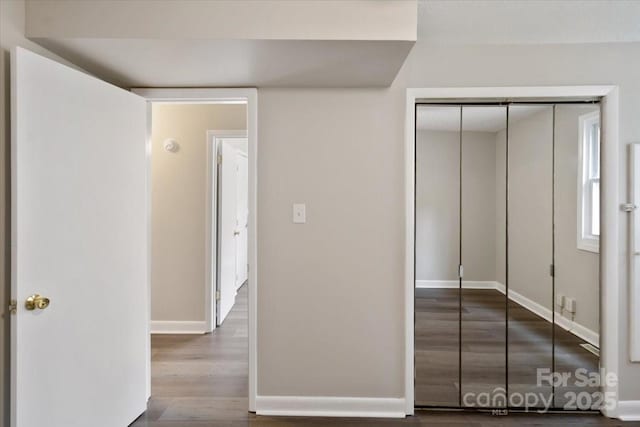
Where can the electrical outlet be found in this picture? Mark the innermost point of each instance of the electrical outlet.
(560, 300)
(570, 304)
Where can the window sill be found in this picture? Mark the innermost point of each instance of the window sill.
(589, 245)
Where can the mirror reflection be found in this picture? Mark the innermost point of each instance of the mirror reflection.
(507, 236)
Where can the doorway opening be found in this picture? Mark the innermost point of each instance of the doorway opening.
(199, 214)
(202, 207)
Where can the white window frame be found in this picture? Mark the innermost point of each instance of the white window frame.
(586, 241)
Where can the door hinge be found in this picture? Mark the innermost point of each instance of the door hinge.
(552, 270)
(13, 306)
(219, 159)
(461, 271)
(217, 295)
(628, 207)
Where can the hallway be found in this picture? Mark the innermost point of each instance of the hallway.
(196, 378)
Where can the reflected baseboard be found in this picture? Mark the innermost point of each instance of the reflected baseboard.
(454, 284)
(568, 325)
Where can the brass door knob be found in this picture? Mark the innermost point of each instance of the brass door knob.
(36, 301)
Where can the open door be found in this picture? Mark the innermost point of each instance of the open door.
(227, 231)
(80, 342)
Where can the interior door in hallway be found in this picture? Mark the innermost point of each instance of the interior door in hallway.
(227, 228)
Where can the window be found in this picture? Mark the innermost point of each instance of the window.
(589, 182)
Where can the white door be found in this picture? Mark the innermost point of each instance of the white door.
(227, 207)
(79, 238)
(242, 217)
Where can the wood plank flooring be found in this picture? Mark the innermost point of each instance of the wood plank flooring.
(482, 337)
(201, 381)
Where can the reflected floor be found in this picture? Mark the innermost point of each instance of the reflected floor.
(482, 342)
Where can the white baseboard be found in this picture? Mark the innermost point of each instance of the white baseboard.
(567, 324)
(178, 327)
(628, 410)
(330, 406)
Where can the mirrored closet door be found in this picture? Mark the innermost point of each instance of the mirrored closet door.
(506, 255)
(482, 244)
(437, 257)
(530, 252)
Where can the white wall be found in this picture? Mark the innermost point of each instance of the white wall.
(479, 205)
(178, 220)
(530, 206)
(577, 271)
(348, 146)
(438, 205)
(530, 210)
(329, 287)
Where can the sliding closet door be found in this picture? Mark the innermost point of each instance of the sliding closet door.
(577, 235)
(437, 256)
(529, 254)
(483, 228)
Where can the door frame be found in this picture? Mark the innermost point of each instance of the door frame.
(211, 225)
(609, 244)
(229, 96)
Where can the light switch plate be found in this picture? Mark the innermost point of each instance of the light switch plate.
(299, 213)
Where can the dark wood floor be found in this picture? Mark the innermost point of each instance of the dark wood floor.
(481, 335)
(201, 381)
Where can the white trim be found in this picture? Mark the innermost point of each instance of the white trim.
(634, 253)
(511, 93)
(568, 325)
(409, 251)
(628, 410)
(584, 242)
(178, 327)
(211, 238)
(148, 145)
(609, 238)
(609, 242)
(250, 96)
(303, 406)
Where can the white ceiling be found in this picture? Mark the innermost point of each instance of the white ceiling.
(528, 22)
(474, 118)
